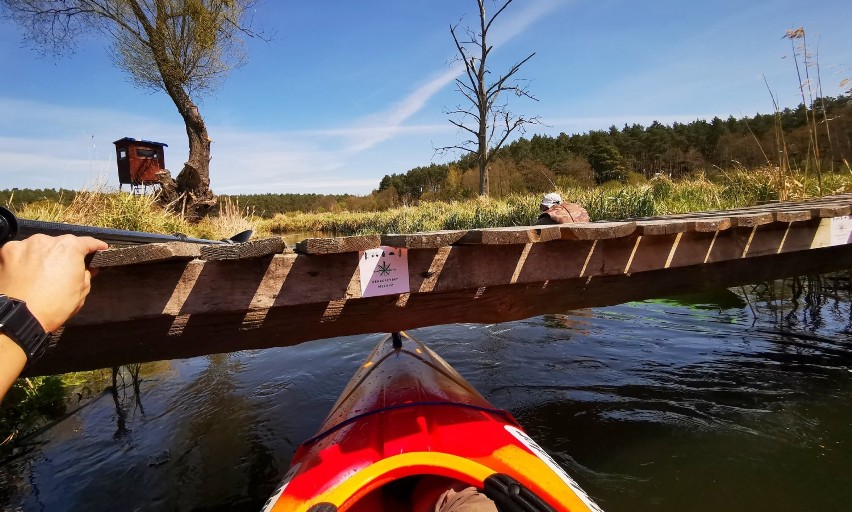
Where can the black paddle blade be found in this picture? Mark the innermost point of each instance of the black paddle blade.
(240, 238)
(8, 226)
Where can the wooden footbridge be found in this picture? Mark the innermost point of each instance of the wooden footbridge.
(176, 300)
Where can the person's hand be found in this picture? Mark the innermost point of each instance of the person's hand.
(49, 274)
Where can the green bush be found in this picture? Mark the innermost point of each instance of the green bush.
(28, 402)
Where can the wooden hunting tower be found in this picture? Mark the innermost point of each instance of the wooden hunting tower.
(139, 161)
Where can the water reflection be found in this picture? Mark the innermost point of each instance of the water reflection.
(119, 392)
(735, 400)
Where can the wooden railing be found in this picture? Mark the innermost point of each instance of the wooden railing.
(178, 300)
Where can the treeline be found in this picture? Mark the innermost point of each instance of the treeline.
(18, 198)
(619, 154)
(267, 205)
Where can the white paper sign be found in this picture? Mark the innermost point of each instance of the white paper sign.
(841, 230)
(384, 271)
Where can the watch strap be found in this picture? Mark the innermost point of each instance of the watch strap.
(19, 325)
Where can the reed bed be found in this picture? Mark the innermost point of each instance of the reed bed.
(139, 213)
(427, 216)
(514, 210)
(714, 189)
(228, 220)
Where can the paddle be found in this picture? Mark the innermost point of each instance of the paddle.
(13, 228)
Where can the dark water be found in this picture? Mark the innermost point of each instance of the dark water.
(738, 401)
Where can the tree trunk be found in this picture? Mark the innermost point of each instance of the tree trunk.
(194, 197)
(193, 182)
(482, 104)
(483, 168)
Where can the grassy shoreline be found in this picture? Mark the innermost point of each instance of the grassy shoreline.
(713, 189)
(717, 190)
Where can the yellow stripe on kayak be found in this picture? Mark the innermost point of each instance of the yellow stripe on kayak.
(509, 459)
(392, 468)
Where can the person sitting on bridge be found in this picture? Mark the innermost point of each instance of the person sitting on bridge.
(553, 211)
(43, 283)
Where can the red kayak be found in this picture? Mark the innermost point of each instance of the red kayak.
(407, 424)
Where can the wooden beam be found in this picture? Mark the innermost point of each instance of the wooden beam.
(100, 345)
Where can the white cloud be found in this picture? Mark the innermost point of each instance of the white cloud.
(512, 24)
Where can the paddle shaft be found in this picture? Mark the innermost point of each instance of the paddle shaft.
(13, 228)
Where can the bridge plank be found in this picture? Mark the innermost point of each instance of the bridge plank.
(706, 224)
(797, 215)
(512, 235)
(661, 226)
(836, 210)
(338, 245)
(751, 220)
(597, 230)
(251, 249)
(148, 253)
(427, 240)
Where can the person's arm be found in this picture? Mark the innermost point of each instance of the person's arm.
(12, 361)
(49, 274)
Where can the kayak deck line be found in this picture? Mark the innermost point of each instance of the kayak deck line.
(489, 410)
(178, 300)
(371, 366)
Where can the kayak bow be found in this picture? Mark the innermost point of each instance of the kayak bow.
(407, 421)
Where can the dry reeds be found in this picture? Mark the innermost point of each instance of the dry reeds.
(137, 213)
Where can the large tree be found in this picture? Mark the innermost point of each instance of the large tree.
(485, 115)
(183, 47)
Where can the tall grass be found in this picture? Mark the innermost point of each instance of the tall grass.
(515, 210)
(228, 220)
(138, 213)
(714, 189)
(427, 216)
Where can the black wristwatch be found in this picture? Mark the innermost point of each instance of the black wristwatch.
(21, 326)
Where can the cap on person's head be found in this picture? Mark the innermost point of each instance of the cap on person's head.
(551, 199)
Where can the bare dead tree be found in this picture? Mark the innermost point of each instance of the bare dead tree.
(485, 116)
(183, 47)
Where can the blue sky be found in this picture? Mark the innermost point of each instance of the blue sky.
(347, 92)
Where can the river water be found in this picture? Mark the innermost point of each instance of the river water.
(737, 400)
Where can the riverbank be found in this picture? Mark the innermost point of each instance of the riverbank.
(710, 190)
